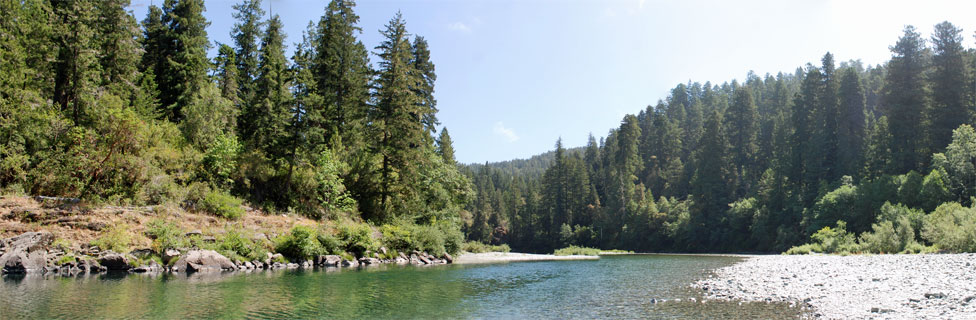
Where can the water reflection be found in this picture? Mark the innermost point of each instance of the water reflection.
(613, 287)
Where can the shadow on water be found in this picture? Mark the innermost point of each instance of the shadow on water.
(612, 287)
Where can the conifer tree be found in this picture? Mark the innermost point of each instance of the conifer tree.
(342, 74)
(710, 191)
(951, 83)
(225, 67)
(246, 34)
(271, 115)
(424, 88)
(851, 124)
(742, 127)
(905, 98)
(184, 71)
(76, 69)
(396, 121)
(445, 147)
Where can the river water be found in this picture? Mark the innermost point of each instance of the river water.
(625, 286)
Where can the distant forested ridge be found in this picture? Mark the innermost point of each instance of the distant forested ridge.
(758, 165)
(98, 106)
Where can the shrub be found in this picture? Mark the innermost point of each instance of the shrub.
(68, 258)
(397, 238)
(828, 240)
(453, 238)
(429, 239)
(888, 237)
(222, 204)
(301, 243)
(165, 235)
(574, 250)
(236, 244)
(805, 249)
(117, 239)
(357, 238)
(478, 247)
(951, 227)
(330, 243)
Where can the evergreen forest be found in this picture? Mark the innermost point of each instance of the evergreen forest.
(840, 153)
(99, 105)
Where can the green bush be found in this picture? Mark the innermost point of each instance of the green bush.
(222, 204)
(429, 239)
(330, 243)
(951, 227)
(116, 238)
(236, 244)
(574, 250)
(357, 238)
(301, 243)
(397, 238)
(805, 249)
(828, 240)
(478, 247)
(165, 235)
(453, 238)
(888, 237)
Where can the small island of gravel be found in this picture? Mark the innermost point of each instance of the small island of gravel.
(853, 287)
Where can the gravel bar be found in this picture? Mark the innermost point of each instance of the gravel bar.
(921, 286)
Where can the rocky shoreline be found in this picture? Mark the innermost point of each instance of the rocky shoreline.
(34, 253)
(503, 257)
(921, 286)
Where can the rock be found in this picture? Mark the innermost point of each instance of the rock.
(383, 250)
(935, 295)
(350, 263)
(292, 266)
(209, 239)
(424, 260)
(369, 261)
(26, 253)
(400, 260)
(203, 261)
(447, 257)
(114, 261)
(194, 233)
(170, 254)
(141, 253)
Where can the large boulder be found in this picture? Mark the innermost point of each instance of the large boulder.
(26, 253)
(203, 261)
(328, 260)
(114, 261)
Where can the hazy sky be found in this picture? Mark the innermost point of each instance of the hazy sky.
(514, 76)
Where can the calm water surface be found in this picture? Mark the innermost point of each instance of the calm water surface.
(612, 287)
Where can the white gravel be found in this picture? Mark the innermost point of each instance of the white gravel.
(500, 257)
(931, 286)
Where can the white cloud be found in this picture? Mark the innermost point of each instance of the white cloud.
(459, 26)
(508, 133)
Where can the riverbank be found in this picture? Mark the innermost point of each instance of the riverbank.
(849, 287)
(505, 257)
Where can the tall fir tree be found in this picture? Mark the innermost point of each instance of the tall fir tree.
(184, 71)
(710, 192)
(342, 73)
(742, 129)
(905, 99)
(247, 33)
(951, 91)
(396, 121)
(271, 115)
(851, 124)
(445, 147)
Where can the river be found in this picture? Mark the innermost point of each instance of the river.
(624, 286)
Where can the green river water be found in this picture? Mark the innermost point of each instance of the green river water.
(624, 286)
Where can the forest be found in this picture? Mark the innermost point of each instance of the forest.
(858, 159)
(99, 106)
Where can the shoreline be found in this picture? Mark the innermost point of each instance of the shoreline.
(506, 257)
(896, 286)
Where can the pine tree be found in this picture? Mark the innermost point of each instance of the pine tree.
(184, 72)
(117, 32)
(826, 115)
(396, 122)
(424, 88)
(950, 86)
(742, 128)
(905, 98)
(271, 115)
(445, 147)
(709, 186)
(341, 67)
(246, 34)
(225, 65)
(851, 125)
(76, 69)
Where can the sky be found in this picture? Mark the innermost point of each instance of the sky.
(515, 76)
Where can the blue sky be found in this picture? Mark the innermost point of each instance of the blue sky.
(514, 76)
